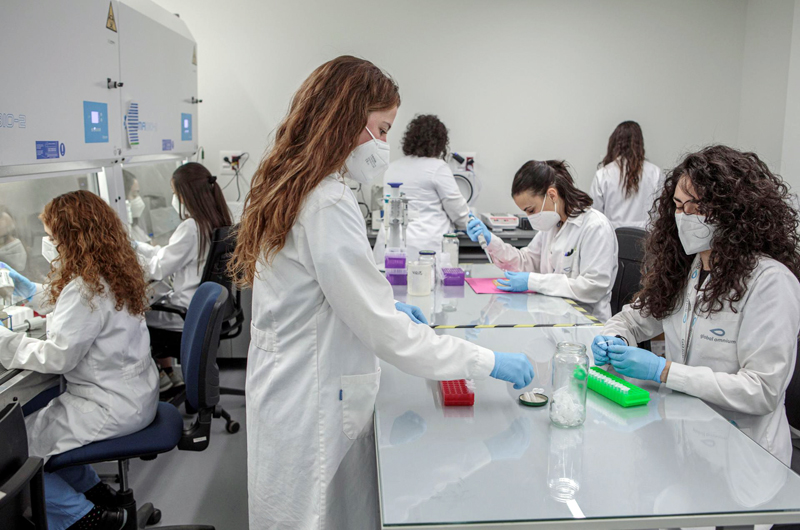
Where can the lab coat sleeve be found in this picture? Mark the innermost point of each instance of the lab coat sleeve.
(362, 298)
(453, 202)
(596, 191)
(71, 330)
(162, 262)
(767, 343)
(635, 327)
(510, 258)
(597, 262)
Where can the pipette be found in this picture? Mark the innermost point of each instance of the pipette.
(482, 242)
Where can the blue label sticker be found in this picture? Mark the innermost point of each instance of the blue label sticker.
(167, 145)
(186, 127)
(46, 150)
(95, 122)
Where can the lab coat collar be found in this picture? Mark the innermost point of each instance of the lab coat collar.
(578, 221)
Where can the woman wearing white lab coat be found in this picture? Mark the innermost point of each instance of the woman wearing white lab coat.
(436, 205)
(626, 185)
(721, 283)
(322, 313)
(97, 339)
(574, 253)
(177, 268)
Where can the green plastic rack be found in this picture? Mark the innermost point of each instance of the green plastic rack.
(617, 390)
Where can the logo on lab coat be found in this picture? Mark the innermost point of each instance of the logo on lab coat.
(719, 332)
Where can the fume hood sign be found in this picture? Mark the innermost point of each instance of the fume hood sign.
(95, 122)
(186, 127)
(132, 124)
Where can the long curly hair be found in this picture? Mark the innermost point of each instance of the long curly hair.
(751, 211)
(426, 136)
(325, 119)
(93, 245)
(626, 147)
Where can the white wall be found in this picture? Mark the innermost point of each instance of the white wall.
(790, 162)
(512, 79)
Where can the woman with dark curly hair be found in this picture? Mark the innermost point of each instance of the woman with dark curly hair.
(626, 185)
(720, 282)
(97, 339)
(429, 184)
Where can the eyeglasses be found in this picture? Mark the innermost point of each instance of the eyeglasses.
(690, 207)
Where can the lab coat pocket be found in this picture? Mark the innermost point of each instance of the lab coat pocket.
(358, 402)
(266, 340)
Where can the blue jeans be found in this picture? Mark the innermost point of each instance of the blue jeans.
(63, 492)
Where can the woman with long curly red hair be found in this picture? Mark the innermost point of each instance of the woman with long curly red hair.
(97, 339)
(721, 282)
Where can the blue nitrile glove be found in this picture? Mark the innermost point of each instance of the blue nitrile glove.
(636, 362)
(514, 368)
(414, 313)
(23, 287)
(600, 348)
(517, 282)
(514, 302)
(475, 227)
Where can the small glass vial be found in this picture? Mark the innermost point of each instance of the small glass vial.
(428, 257)
(570, 384)
(419, 278)
(450, 245)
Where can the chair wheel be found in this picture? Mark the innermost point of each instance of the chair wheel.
(155, 517)
(232, 427)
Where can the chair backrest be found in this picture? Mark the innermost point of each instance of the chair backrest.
(792, 399)
(18, 471)
(220, 252)
(199, 345)
(629, 271)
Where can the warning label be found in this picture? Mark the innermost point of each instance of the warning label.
(111, 23)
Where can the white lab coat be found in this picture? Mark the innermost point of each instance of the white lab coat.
(580, 261)
(175, 263)
(435, 205)
(741, 362)
(322, 316)
(608, 194)
(104, 356)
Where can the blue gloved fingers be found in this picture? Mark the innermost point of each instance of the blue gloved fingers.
(505, 288)
(618, 348)
(474, 227)
(417, 312)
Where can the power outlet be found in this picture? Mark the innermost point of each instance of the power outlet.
(469, 160)
(225, 168)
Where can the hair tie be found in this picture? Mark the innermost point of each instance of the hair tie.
(212, 180)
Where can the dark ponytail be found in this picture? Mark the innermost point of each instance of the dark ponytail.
(537, 177)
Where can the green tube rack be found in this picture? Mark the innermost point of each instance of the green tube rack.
(617, 390)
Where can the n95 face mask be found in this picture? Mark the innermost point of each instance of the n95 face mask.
(695, 234)
(368, 161)
(544, 220)
(137, 207)
(49, 250)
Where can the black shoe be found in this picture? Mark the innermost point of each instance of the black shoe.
(102, 519)
(101, 494)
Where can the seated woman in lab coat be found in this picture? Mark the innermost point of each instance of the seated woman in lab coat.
(626, 185)
(97, 339)
(176, 269)
(574, 253)
(721, 265)
(434, 200)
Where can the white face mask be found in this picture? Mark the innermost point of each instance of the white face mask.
(368, 161)
(49, 250)
(176, 204)
(545, 220)
(694, 232)
(137, 207)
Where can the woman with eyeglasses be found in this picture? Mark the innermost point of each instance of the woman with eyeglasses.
(720, 282)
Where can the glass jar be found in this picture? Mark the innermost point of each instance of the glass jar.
(419, 278)
(428, 257)
(564, 465)
(570, 384)
(450, 245)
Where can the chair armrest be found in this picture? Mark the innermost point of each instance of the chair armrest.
(166, 307)
(25, 475)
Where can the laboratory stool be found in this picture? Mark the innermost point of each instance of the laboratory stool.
(199, 364)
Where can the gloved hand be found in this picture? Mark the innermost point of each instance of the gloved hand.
(23, 287)
(636, 362)
(600, 348)
(414, 313)
(514, 368)
(517, 282)
(475, 227)
(515, 303)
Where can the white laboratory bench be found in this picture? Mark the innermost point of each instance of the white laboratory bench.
(498, 464)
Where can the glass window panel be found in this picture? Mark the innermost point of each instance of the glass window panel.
(148, 195)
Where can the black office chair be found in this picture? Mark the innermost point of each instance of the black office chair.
(165, 342)
(792, 401)
(21, 476)
(629, 271)
(199, 364)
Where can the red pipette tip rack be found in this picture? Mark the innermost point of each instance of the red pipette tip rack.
(457, 394)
